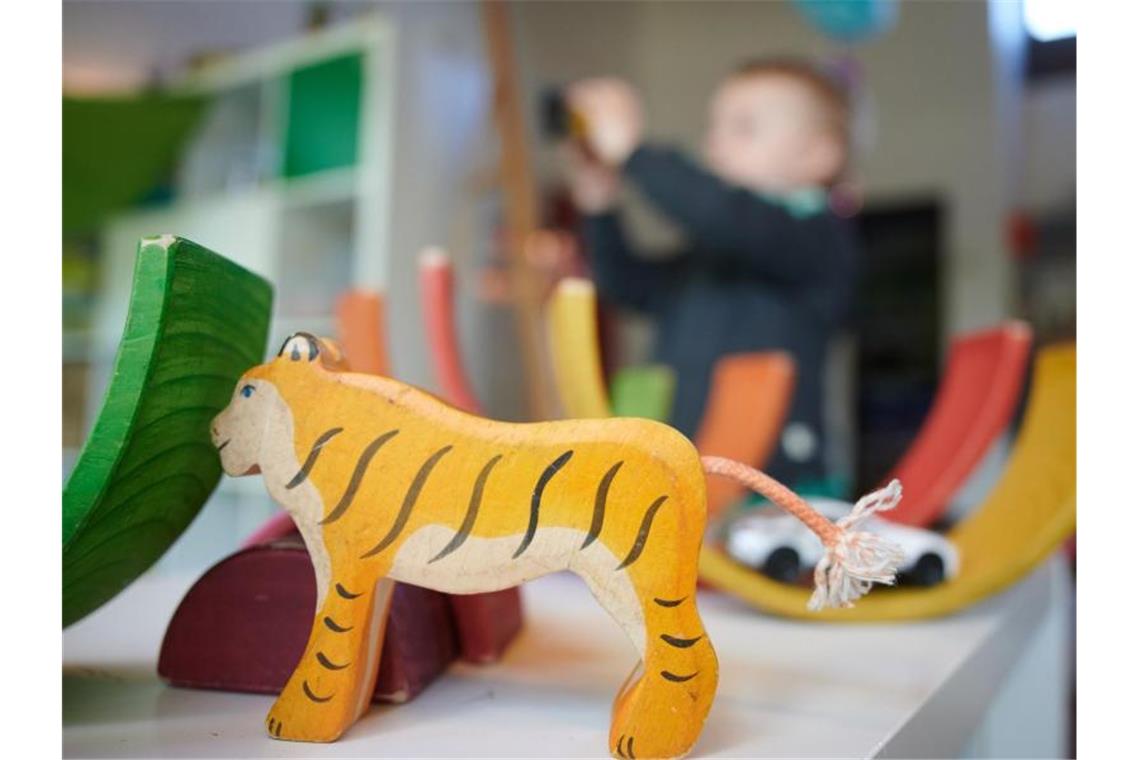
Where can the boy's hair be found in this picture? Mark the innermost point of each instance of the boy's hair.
(827, 91)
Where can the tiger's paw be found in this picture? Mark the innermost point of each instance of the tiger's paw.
(636, 730)
(304, 725)
(623, 748)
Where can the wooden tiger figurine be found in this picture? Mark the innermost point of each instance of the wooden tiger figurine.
(386, 482)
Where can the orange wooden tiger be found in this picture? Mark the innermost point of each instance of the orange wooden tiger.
(386, 482)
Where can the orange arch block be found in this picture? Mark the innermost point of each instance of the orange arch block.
(1029, 513)
(361, 324)
(974, 404)
(747, 403)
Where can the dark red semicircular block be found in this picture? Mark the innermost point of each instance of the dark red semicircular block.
(244, 624)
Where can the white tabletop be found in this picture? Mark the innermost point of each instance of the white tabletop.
(787, 689)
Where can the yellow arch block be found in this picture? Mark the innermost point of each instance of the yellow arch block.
(572, 322)
(1026, 516)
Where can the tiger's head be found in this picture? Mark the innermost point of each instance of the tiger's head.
(239, 430)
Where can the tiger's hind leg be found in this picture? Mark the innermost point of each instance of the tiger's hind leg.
(661, 709)
(333, 682)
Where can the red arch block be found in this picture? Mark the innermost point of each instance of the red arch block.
(437, 293)
(975, 401)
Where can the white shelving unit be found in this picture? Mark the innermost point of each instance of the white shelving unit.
(313, 234)
(233, 193)
(420, 122)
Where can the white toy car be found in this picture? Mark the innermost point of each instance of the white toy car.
(781, 547)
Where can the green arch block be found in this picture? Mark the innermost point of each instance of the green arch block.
(196, 321)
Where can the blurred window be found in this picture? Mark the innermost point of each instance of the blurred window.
(1051, 28)
(1049, 20)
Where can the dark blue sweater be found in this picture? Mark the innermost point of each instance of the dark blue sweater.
(753, 277)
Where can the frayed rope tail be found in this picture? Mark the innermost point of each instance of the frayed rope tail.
(852, 559)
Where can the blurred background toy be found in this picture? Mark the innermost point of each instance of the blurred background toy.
(781, 549)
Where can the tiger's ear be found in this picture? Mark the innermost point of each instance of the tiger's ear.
(332, 356)
(300, 347)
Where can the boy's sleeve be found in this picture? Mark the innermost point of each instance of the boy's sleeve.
(734, 228)
(622, 277)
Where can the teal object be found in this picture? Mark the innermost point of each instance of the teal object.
(196, 322)
(643, 392)
(322, 119)
(850, 21)
(800, 204)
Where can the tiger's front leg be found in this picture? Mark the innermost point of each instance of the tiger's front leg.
(332, 684)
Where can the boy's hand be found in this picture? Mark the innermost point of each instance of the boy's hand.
(594, 186)
(611, 110)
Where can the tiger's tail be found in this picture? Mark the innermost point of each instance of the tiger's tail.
(852, 559)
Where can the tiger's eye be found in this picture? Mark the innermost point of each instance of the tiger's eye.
(247, 390)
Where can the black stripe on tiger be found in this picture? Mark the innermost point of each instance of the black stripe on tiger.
(629, 749)
(536, 499)
(668, 602)
(309, 693)
(327, 663)
(642, 533)
(332, 626)
(311, 459)
(472, 511)
(676, 678)
(600, 504)
(409, 502)
(277, 731)
(620, 751)
(344, 593)
(673, 641)
(357, 476)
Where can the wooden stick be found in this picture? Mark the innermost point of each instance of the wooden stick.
(521, 203)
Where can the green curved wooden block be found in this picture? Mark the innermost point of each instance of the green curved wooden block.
(196, 322)
(643, 392)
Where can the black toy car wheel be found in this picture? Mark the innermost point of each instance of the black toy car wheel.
(928, 571)
(782, 565)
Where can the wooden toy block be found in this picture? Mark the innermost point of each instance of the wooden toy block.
(975, 402)
(244, 624)
(437, 297)
(195, 321)
(572, 319)
(487, 623)
(361, 325)
(387, 483)
(748, 400)
(644, 392)
(1027, 515)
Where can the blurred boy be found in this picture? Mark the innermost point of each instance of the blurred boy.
(767, 265)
